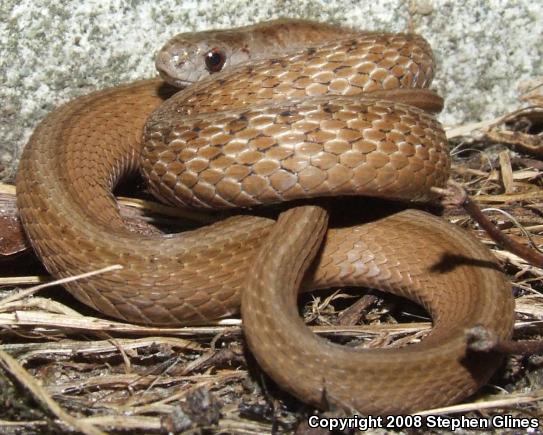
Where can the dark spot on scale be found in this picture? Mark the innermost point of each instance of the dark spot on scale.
(196, 129)
(286, 113)
(311, 51)
(221, 81)
(242, 117)
(326, 108)
(219, 155)
(353, 44)
(278, 62)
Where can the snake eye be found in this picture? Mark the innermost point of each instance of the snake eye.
(214, 59)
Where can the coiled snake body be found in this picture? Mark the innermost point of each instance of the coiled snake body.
(331, 119)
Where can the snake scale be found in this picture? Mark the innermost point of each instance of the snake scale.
(273, 112)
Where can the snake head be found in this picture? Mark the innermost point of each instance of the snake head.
(188, 58)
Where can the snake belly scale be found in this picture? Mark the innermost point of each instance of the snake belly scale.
(333, 116)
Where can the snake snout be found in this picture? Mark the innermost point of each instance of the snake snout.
(169, 63)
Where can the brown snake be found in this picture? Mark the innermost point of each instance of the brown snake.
(324, 120)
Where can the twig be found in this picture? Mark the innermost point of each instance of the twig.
(466, 129)
(522, 229)
(481, 339)
(455, 195)
(91, 324)
(34, 289)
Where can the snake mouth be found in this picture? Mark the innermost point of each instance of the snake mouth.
(178, 83)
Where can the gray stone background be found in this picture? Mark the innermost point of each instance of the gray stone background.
(52, 51)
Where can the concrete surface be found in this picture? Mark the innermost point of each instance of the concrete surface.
(52, 51)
